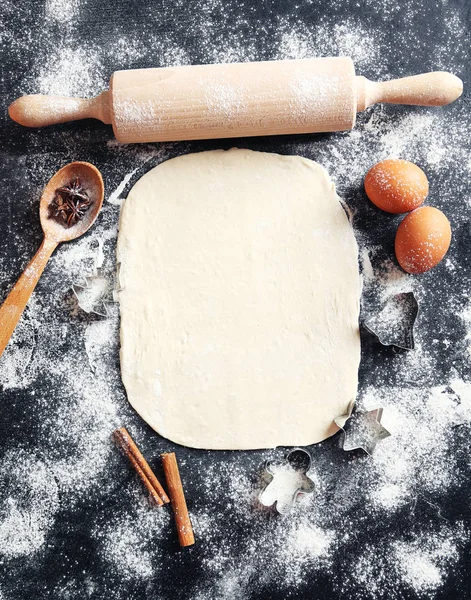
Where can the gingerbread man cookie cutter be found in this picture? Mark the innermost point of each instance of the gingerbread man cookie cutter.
(283, 481)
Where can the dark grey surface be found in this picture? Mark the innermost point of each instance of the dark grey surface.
(413, 38)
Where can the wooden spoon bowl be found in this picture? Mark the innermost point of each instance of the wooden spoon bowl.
(92, 183)
(55, 232)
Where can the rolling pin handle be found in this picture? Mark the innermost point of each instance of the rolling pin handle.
(37, 110)
(428, 89)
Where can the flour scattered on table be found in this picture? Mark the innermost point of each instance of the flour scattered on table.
(127, 541)
(299, 40)
(63, 11)
(423, 564)
(29, 500)
(60, 373)
(70, 72)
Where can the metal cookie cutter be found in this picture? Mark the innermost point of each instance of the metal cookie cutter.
(362, 429)
(393, 325)
(284, 480)
(95, 293)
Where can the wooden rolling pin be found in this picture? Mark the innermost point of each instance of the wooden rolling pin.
(235, 100)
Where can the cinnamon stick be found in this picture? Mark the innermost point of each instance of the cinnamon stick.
(141, 466)
(175, 489)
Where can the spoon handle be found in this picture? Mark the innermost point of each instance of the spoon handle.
(14, 305)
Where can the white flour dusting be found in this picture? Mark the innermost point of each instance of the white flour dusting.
(28, 505)
(115, 197)
(76, 358)
(62, 11)
(346, 39)
(72, 72)
(127, 541)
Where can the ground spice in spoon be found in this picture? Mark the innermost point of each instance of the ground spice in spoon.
(70, 203)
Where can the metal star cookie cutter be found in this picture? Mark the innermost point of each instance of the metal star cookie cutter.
(361, 429)
(393, 325)
(284, 480)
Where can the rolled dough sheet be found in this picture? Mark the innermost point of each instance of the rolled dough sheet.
(239, 302)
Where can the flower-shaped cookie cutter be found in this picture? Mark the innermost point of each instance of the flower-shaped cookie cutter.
(283, 481)
(393, 325)
(94, 294)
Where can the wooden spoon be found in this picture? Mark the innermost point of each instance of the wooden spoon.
(54, 233)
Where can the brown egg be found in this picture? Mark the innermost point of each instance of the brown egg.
(422, 239)
(396, 186)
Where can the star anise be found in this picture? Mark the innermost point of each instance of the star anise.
(71, 203)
